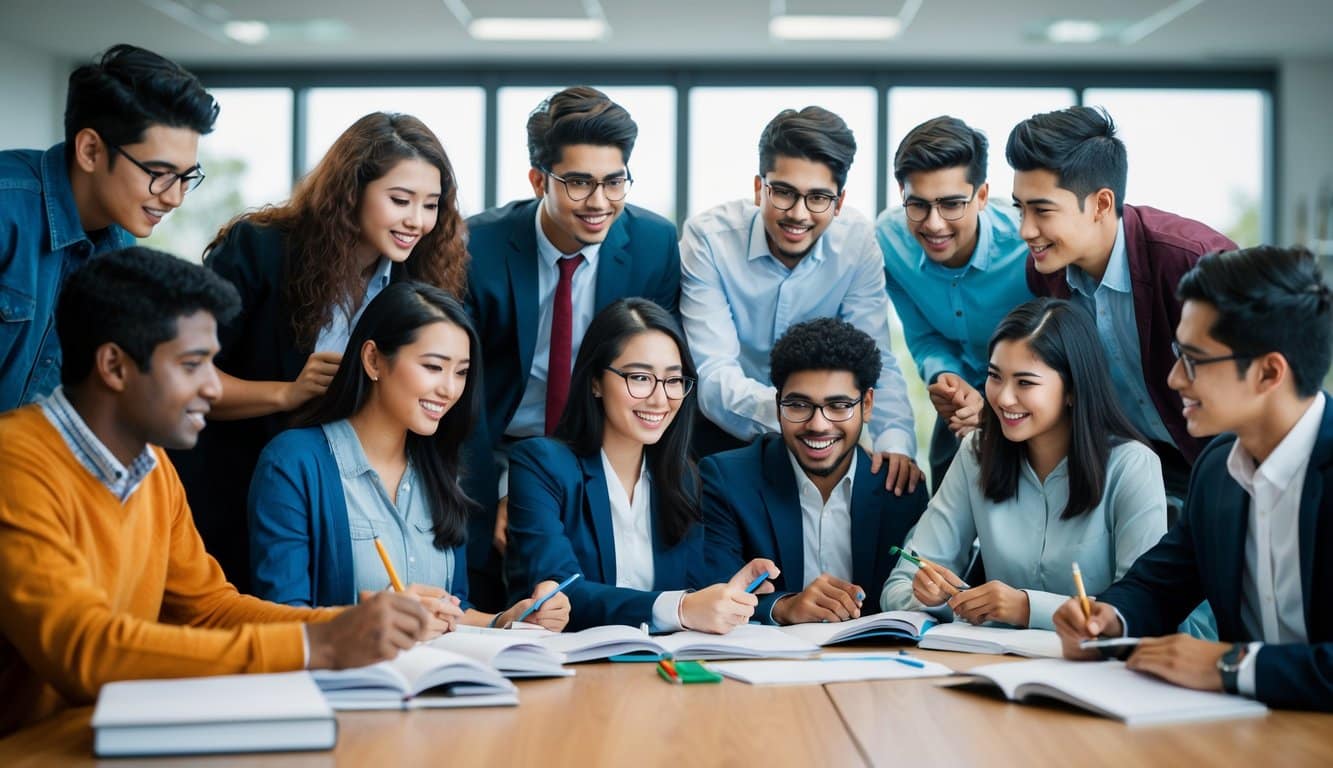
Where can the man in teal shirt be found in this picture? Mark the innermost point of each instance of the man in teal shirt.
(953, 267)
(132, 127)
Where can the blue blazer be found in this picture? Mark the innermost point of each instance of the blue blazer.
(752, 508)
(640, 257)
(560, 523)
(1202, 558)
(300, 543)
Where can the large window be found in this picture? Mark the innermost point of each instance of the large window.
(653, 162)
(725, 124)
(455, 115)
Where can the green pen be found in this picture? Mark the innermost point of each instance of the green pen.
(915, 559)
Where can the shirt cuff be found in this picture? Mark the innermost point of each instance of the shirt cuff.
(1245, 683)
(305, 646)
(666, 611)
(896, 441)
(1042, 607)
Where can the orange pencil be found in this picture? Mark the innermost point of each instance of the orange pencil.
(388, 566)
(1082, 595)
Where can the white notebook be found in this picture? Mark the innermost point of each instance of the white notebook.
(968, 638)
(750, 641)
(209, 715)
(420, 677)
(1109, 689)
(829, 669)
(513, 653)
(904, 625)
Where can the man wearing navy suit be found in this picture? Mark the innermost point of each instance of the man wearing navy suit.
(540, 270)
(806, 498)
(1255, 538)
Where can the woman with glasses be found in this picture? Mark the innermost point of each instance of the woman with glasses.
(1055, 475)
(381, 206)
(373, 468)
(613, 494)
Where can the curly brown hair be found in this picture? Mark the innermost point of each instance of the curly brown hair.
(321, 220)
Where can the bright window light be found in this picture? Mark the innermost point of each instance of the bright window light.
(561, 30)
(803, 27)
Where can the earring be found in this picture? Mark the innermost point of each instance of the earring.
(374, 378)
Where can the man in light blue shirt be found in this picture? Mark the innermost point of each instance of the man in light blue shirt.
(751, 270)
(953, 267)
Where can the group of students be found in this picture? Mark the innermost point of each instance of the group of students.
(503, 402)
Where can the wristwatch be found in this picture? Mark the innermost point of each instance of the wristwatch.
(1229, 666)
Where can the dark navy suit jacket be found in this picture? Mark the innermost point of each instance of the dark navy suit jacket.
(1203, 558)
(640, 257)
(560, 524)
(752, 508)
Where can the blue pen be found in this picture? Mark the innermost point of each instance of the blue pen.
(901, 658)
(755, 584)
(542, 600)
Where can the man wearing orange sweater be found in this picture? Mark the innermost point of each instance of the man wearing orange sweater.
(103, 576)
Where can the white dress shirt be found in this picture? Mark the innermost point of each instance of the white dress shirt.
(334, 336)
(631, 527)
(737, 299)
(826, 527)
(1272, 605)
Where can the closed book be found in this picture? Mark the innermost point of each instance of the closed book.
(212, 715)
(421, 676)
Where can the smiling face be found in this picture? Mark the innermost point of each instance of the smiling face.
(1057, 231)
(823, 448)
(119, 190)
(1219, 399)
(632, 421)
(792, 233)
(398, 209)
(167, 404)
(1027, 395)
(422, 381)
(949, 243)
(568, 224)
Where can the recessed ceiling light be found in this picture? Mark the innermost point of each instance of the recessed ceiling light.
(1074, 31)
(536, 29)
(811, 27)
(248, 32)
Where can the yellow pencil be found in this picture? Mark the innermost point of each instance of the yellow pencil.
(1082, 595)
(393, 575)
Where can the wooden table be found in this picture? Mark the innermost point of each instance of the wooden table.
(621, 714)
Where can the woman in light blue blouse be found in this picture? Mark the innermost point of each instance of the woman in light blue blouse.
(1054, 475)
(377, 458)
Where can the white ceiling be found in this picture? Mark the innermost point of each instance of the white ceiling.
(408, 32)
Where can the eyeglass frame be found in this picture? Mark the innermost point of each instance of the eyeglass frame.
(628, 179)
(689, 383)
(935, 205)
(1191, 363)
(154, 175)
(851, 405)
(804, 197)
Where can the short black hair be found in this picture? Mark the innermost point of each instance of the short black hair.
(815, 134)
(1078, 145)
(578, 115)
(1268, 299)
(939, 143)
(825, 344)
(128, 90)
(133, 298)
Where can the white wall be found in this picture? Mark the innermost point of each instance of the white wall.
(1305, 92)
(32, 90)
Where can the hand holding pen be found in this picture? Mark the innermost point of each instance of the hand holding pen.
(934, 584)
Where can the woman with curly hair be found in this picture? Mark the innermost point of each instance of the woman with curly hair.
(380, 207)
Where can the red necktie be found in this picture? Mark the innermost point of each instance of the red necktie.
(562, 338)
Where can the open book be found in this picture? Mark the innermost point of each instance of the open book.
(1108, 689)
(904, 625)
(750, 641)
(419, 677)
(207, 715)
(961, 636)
(513, 653)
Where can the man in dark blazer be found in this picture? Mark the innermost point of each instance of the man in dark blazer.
(540, 270)
(1256, 535)
(806, 498)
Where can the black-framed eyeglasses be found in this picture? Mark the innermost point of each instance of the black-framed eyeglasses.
(581, 188)
(951, 208)
(641, 384)
(784, 199)
(1191, 363)
(801, 411)
(161, 181)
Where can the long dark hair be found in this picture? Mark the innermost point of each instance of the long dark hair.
(1063, 337)
(392, 320)
(674, 475)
